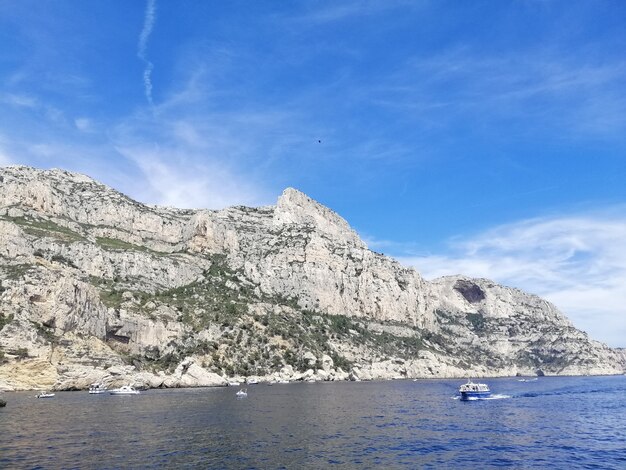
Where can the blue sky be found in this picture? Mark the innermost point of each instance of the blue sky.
(484, 138)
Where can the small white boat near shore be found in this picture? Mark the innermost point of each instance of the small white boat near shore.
(125, 390)
(97, 388)
(242, 393)
(44, 395)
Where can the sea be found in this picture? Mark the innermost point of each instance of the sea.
(551, 422)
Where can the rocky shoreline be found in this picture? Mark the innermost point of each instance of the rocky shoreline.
(189, 374)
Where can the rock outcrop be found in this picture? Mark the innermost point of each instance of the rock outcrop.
(97, 287)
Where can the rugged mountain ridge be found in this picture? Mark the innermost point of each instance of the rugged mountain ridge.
(96, 286)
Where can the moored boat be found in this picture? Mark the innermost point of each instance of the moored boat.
(97, 388)
(125, 390)
(44, 395)
(242, 393)
(471, 390)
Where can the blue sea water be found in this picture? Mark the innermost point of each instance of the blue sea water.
(570, 422)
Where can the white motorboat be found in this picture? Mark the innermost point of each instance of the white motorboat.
(242, 393)
(474, 391)
(44, 395)
(125, 390)
(97, 388)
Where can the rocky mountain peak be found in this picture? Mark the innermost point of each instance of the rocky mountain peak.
(26, 174)
(295, 207)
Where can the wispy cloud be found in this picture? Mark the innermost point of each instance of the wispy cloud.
(83, 124)
(577, 262)
(4, 159)
(337, 11)
(532, 87)
(148, 24)
(19, 100)
(390, 246)
(190, 156)
(171, 179)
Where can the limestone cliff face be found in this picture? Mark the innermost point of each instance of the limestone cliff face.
(95, 286)
(305, 251)
(86, 206)
(512, 327)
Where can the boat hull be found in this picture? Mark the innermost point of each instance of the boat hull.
(474, 395)
(124, 391)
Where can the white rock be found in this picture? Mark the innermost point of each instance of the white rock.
(327, 363)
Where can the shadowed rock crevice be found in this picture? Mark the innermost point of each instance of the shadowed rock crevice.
(472, 292)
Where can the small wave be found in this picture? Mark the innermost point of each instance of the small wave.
(492, 397)
(560, 393)
(497, 396)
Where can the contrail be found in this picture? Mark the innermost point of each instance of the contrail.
(148, 23)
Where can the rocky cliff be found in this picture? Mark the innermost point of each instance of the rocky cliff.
(97, 287)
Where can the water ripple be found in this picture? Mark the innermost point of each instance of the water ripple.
(550, 423)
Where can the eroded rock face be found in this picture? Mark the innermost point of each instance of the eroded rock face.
(470, 291)
(516, 330)
(97, 287)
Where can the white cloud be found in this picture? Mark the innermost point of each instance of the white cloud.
(490, 87)
(192, 154)
(83, 124)
(578, 263)
(19, 100)
(170, 178)
(179, 152)
(337, 11)
(148, 24)
(4, 159)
